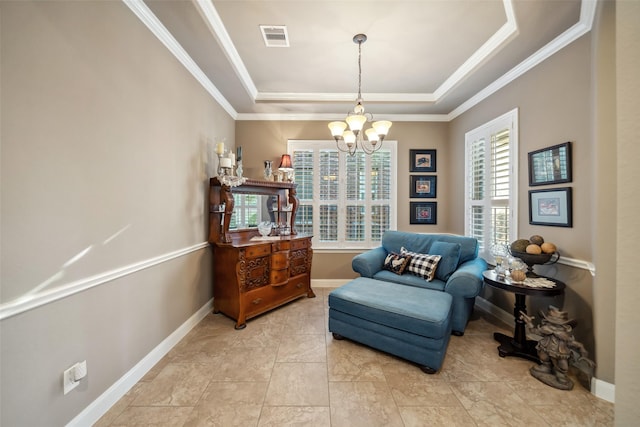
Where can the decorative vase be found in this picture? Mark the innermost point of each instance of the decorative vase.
(268, 172)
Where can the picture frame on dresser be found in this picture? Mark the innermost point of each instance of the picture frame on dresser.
(551, 206)
(423, 186)
(551, 165)
(423, 212)
(422, 160)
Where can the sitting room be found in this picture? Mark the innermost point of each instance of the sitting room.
(312, 213)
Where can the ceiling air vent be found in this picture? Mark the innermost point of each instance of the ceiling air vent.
(275, 35)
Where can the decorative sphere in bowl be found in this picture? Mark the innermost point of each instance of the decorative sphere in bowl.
(264, 228)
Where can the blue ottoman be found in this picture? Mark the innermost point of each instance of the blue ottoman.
(408, 322)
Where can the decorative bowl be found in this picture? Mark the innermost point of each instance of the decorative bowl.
(533, 259)
(264, 228)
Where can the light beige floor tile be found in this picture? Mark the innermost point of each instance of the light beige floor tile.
(367, 404)
(433, 393)
(306, 324)
(349, 361)
(178, 384)
(302, 416)
(243, 364)
(285, 368)
(302, 348)
(434, 416)
(229, 404)
(119, 407)
(298, 384)
(576, 416)
(535, 392)
(153, 416)
(495, 404)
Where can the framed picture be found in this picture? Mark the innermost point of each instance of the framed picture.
(550, 165)
(550, 207)
(423, 186)
(423, 212)
(422, 160)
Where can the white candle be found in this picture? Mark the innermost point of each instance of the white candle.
(225, 162)
(220, 148)
(233, 158)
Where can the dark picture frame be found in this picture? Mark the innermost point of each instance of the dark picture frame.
(423, 186)
(422, 160)
(551, 165)
(423, 212)
(551, 207)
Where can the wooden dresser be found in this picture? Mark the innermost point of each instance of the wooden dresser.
(253, 274)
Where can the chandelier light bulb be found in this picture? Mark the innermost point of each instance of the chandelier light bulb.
(349, 137)
(356, 122)
(382, 127)
(372, 136)
(337, 128)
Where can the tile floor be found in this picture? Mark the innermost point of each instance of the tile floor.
(286, 369)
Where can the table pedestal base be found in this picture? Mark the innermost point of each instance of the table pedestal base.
(508, 347)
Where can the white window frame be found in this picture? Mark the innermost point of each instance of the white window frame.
(342, 243)
(508, 120)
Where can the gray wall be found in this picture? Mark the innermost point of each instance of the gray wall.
(627, 344)
(106, 144)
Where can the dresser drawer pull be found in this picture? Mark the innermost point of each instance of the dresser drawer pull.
(299, 285)
(257, 301)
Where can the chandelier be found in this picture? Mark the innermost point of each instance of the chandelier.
(348, 140)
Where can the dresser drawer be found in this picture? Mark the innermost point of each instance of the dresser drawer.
(260, 300)
(282, 245)
(279, 277)
(258, 251)
(280, 260)
(300, 244)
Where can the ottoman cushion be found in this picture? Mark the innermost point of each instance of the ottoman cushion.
(419, 311)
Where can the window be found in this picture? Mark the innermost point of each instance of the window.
(246, 211)
(346, 202)
(491, 185)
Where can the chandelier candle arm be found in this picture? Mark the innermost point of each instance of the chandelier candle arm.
(349, 140)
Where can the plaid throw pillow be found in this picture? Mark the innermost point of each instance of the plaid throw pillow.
(423, 265)
(396, 263)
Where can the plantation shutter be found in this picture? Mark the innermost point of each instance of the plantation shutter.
(345, 201)
(490, 187)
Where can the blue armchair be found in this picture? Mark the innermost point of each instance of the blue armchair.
(459, 271)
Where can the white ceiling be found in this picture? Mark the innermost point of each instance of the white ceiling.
(423, 60)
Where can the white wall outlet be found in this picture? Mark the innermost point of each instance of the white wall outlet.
(72, 376)
(69, 381)
(80, 370)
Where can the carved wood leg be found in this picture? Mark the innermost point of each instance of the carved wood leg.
(337, 337)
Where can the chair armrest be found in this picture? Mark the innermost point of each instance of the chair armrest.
(370, 262)
(467, 280)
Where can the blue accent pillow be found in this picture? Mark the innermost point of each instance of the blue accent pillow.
(450, 253)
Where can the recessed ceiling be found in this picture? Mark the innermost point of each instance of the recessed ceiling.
(423, 60)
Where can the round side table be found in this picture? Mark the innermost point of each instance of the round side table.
(518, 345)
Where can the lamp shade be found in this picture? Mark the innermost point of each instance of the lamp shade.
(285, 163)
(349, 137)
(382, 127)
(356, 121)
(337, 128)
(372, 135)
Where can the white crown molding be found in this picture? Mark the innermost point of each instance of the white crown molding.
(29, 302)
(96, 409)
(219, 31)
(160, 31)
(499, 39)
(587, 13)
(333, 116)
(502, 36)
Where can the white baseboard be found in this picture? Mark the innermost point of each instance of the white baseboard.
(599, 388)
(92, 413)
(603, 390)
